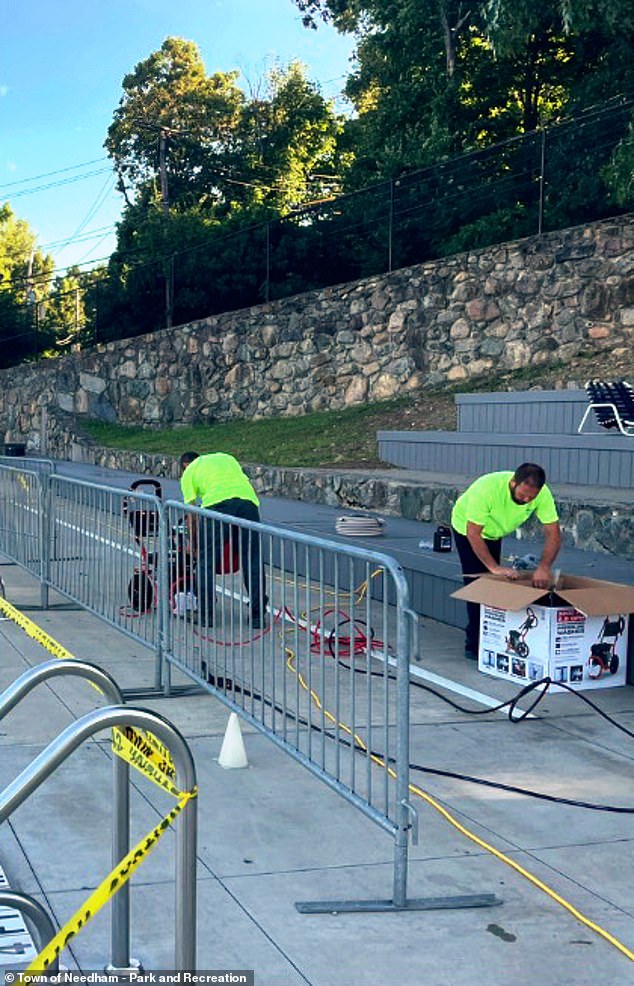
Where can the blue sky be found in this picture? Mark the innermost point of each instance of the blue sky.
(61, 67)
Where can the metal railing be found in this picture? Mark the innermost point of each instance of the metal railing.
(104, 550)
(321, 677)
(325, 676)
(32, 463)
(69, 740)
(10, 697)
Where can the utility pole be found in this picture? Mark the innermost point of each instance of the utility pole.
(169, 269)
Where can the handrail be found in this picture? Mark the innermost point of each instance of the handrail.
(9, 698)
(36, 914)
(73, 736)
(56, 667)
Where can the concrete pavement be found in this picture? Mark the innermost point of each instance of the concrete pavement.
(272, 834)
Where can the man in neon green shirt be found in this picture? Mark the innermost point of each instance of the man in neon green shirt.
(219, 483)
(493, 506)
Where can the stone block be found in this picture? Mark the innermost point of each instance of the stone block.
(128, 369)
(476, 309)
(396, 321)
(384, 387)
(66, 401)
(491, 347)
(357, 391)
(460, 329)
(516, 355)
(599, 332)
(94, 384)
(268, 335)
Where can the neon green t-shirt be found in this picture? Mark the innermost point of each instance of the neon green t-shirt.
(216, 477)
(488, 502)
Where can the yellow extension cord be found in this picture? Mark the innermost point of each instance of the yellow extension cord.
(414, 789)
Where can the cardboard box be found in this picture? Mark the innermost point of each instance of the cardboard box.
(577, 635)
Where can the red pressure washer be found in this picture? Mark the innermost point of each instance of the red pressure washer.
(144, 521)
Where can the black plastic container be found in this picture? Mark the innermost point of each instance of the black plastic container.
(442, 538)
(14, 448)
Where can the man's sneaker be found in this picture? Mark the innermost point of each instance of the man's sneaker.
(470, 655)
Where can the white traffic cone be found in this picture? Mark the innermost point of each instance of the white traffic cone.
(232, 751)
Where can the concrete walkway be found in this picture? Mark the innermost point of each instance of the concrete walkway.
(272, 834)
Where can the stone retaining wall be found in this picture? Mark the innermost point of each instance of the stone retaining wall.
(456, 319)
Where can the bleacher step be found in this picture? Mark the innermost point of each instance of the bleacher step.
(17, 949)
(582, 460)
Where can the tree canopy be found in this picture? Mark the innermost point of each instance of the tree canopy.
(24, 288)
(187, 140)
(437, 78)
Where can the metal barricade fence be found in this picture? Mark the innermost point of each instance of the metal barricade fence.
(32, 463)
(22, 513)
(104, 549)
(310, 641)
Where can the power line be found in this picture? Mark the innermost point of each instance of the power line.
(49, 174)
(58, 184)
(103, 193)
(84, 257)
(89, 234)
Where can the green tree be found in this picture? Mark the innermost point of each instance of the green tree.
(24, 269)
(225, 163)
(24, 285)
(173, 124)
(287, 143)
(437, 78)
(65, 311)
(182, 139)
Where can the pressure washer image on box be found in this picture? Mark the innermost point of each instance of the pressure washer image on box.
(603, 656)
(515, 642)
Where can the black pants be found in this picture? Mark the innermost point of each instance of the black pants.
(214, 536)
(472, 566)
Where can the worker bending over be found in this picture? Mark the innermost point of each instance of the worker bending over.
(493, 506)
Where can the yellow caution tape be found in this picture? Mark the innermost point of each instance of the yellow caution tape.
(158, 752)
(149, 746)
(32, 630)
(137, 756)
(108, 887)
